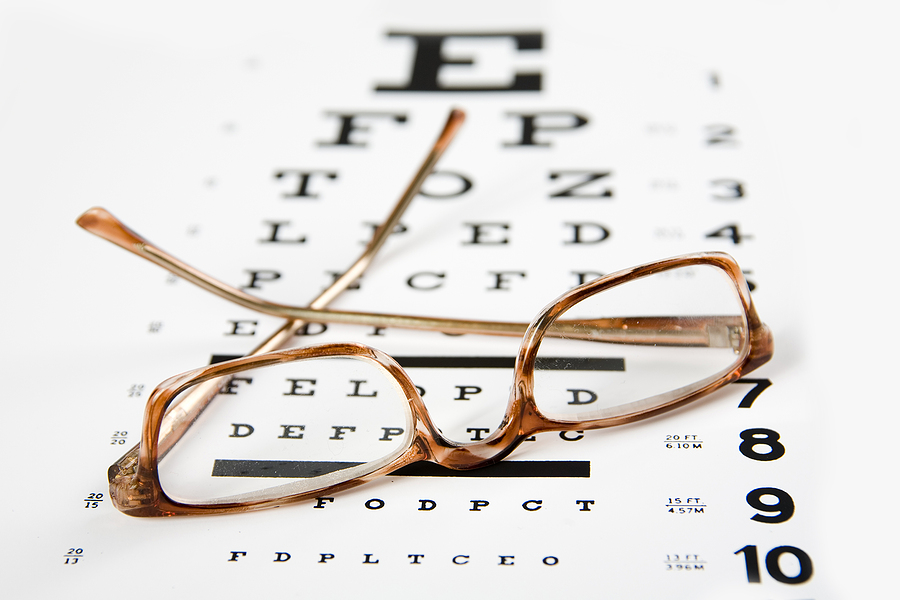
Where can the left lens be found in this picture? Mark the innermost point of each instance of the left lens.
(287, 429)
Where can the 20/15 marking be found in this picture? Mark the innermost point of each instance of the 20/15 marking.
(93, 500)
(685, 506)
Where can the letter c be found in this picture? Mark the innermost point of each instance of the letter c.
(465, 556)
(563, 435)
(434, 285)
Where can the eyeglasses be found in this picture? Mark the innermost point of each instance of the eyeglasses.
(296, 424)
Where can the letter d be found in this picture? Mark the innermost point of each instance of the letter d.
(576, 396)
(241, 430)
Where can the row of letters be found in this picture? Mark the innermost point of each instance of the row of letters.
(387, 434)
(360, 388)
(414, 559)
(428, 505)
(429, 280)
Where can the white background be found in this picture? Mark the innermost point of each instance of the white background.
(823, 79)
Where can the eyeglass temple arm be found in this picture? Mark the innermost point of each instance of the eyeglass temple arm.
(682, 331)
(100, 222)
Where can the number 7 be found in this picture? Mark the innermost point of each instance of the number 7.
(759, 386)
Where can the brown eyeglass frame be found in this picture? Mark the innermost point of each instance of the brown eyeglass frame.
(134, 480)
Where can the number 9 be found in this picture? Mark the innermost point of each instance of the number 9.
(784, 507)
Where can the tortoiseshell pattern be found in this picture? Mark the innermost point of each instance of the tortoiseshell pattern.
(134, 480)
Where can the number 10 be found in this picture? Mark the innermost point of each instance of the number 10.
(751, 560)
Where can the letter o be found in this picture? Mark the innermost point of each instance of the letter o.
(465, 186)
(550, 561)
(374, 503)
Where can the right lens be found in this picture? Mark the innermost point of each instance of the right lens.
(286, 429)
(641, 344)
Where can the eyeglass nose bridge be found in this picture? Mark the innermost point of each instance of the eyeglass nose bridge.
(521, 420)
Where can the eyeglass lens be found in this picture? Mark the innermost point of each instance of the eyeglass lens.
(289, 428)
(671, 333)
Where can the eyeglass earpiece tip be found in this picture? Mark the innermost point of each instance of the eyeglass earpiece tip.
(92, 217)
(102, 223)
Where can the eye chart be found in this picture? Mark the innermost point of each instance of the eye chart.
(267, 157)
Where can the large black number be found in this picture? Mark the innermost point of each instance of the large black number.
(731, 232)
(761, 437)
(759, 386)
(774, 569)
(730, 189)
(784, 507)
(751, 561)
(720, 135)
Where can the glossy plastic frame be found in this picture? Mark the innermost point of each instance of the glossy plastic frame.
(134, 480)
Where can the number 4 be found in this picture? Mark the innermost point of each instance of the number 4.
(731, 232)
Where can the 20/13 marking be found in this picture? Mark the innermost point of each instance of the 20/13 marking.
(684, 563)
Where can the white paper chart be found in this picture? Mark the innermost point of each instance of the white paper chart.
(266, 158)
